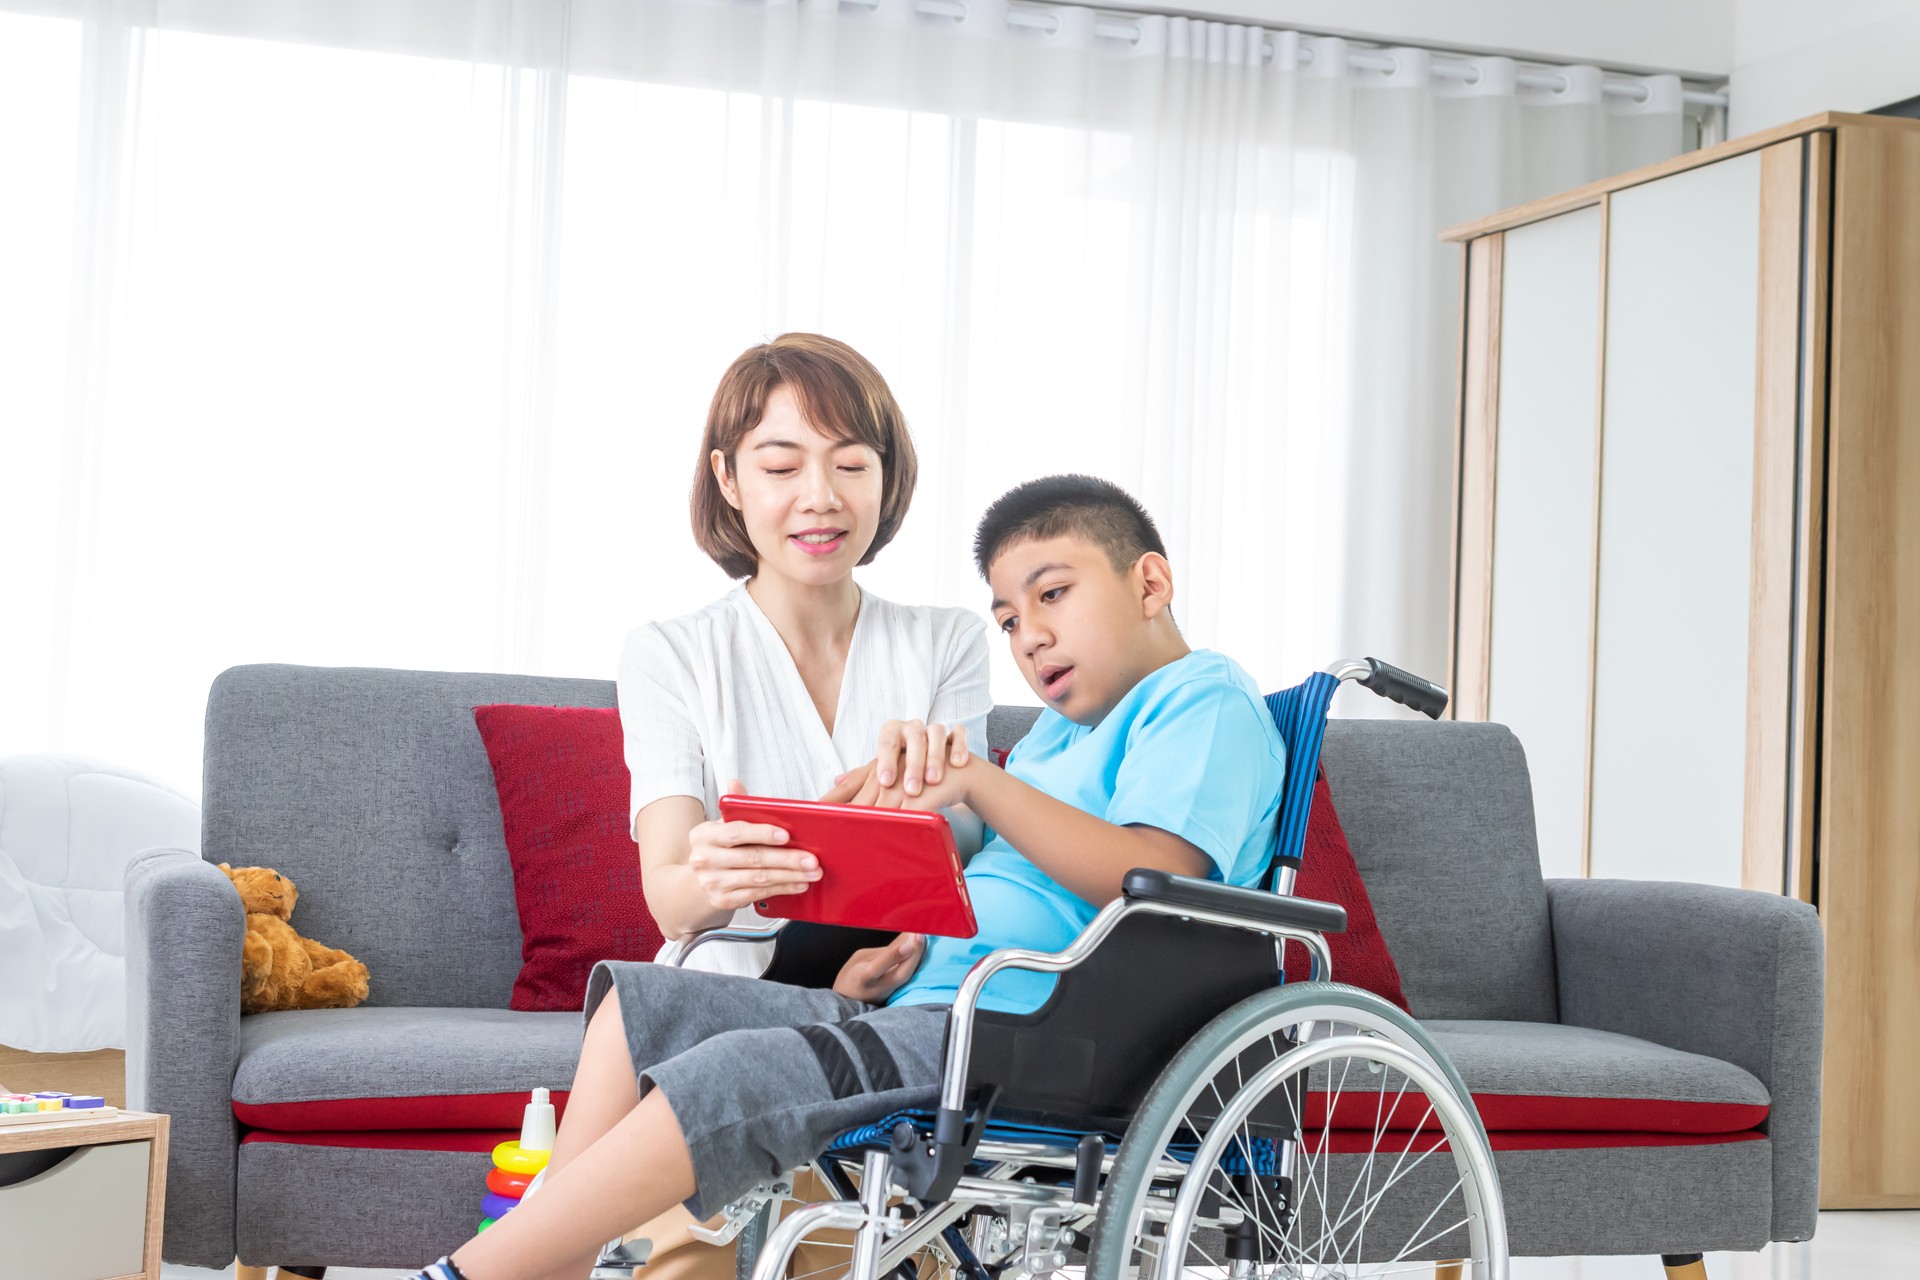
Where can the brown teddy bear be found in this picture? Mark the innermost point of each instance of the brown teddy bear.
(279, 969)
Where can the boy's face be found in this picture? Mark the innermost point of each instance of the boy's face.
(1077, 626)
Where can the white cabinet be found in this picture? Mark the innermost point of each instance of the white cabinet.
(1676, 526)
(1543, 513)
(1687, 566)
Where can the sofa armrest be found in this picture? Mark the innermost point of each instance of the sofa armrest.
(185, 925)
(1729, 973)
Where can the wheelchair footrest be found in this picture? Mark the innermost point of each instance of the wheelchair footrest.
(621, 1260)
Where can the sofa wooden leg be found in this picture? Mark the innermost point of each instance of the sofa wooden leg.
(241, 1271)
(1448, 1270)
(1684, 1266)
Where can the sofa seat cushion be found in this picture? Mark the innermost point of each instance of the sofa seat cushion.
(1531, 1076)
(401, 1069)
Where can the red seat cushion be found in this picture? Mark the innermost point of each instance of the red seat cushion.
(563, 786)
(451, 1111)
(1514, 1113)
(1328, 873)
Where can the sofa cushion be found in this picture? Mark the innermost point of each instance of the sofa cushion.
(1541, 1077)
(1440, 818)
(400, 1069)
(1327, 872)
(563, 787)
(370, 790)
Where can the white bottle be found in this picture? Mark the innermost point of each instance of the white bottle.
(537, 1125)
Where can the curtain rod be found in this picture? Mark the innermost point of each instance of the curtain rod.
(1444, 66)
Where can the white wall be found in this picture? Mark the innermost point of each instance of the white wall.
(1692, 37)
(1793, 59)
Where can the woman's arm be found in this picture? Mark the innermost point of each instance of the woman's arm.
(696, 874)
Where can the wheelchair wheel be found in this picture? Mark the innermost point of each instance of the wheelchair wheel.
(1311, 1132)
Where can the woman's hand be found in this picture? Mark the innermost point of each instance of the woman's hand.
(874, 973)
(848, 785)
(738, 864)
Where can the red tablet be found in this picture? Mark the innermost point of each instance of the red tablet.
(880, 868)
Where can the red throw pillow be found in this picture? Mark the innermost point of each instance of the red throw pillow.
(563, 787)
(1328, 872)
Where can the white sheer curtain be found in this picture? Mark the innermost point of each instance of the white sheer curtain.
(382, 332)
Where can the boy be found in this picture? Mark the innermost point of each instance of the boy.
(1149, 755)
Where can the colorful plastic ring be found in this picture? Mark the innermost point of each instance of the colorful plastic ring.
(510, 1157)
(484, 1224)
(497, 1207)
(502, 1183)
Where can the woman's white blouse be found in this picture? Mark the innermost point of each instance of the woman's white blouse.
(714, 695)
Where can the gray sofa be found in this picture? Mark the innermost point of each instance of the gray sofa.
(1592, 1019)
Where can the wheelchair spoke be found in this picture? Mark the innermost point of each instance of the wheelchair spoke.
(1380, 1114)
(1385, 1187)
(1326, 1128)
(1410, 1246)
(1333, 1103)
(1332, 1225)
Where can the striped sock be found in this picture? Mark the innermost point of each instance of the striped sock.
(441, 1270)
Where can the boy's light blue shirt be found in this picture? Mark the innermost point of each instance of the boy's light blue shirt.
(1191, 750)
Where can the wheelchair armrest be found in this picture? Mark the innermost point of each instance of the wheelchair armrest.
(1255, 905)
(675, 953)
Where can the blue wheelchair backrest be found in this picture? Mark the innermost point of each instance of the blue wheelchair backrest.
(1300, 713)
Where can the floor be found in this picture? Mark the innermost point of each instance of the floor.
(1847, 1245)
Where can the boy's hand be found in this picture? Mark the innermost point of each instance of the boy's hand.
(957, 786)
(913, 755)
(874, 973)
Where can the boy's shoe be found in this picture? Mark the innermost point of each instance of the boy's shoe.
(441, 1270)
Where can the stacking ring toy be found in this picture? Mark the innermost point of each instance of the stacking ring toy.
(510, 1157)
(502, 1183)
(484, 1224)
(497, 1207)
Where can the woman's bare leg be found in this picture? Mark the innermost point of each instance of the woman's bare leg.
(636, 1170)
(604, 1092)
(604, 1088)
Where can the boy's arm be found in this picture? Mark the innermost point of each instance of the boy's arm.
(1088, 856)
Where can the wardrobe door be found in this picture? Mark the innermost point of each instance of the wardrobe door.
(1676, 526)
(1540, 637)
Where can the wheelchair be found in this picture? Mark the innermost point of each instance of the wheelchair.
(1174, 1107)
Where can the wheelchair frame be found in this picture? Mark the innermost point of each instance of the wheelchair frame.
(1028, 1227)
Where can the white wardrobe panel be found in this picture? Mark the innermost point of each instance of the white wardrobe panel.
(1543, 515)
(1669, 750)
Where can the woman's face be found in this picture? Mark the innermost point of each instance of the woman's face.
(811, 504)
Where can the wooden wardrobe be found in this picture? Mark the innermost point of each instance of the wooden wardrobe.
(1687, 556)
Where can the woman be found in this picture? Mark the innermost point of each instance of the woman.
(786, 684)
(793, 684)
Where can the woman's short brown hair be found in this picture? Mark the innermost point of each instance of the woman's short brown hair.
(844, 398)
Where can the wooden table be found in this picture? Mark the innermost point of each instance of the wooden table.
(68, 1221)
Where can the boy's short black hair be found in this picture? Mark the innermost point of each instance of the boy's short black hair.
(1098, 510)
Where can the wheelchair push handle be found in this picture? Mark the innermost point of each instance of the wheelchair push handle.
(1405, 688)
